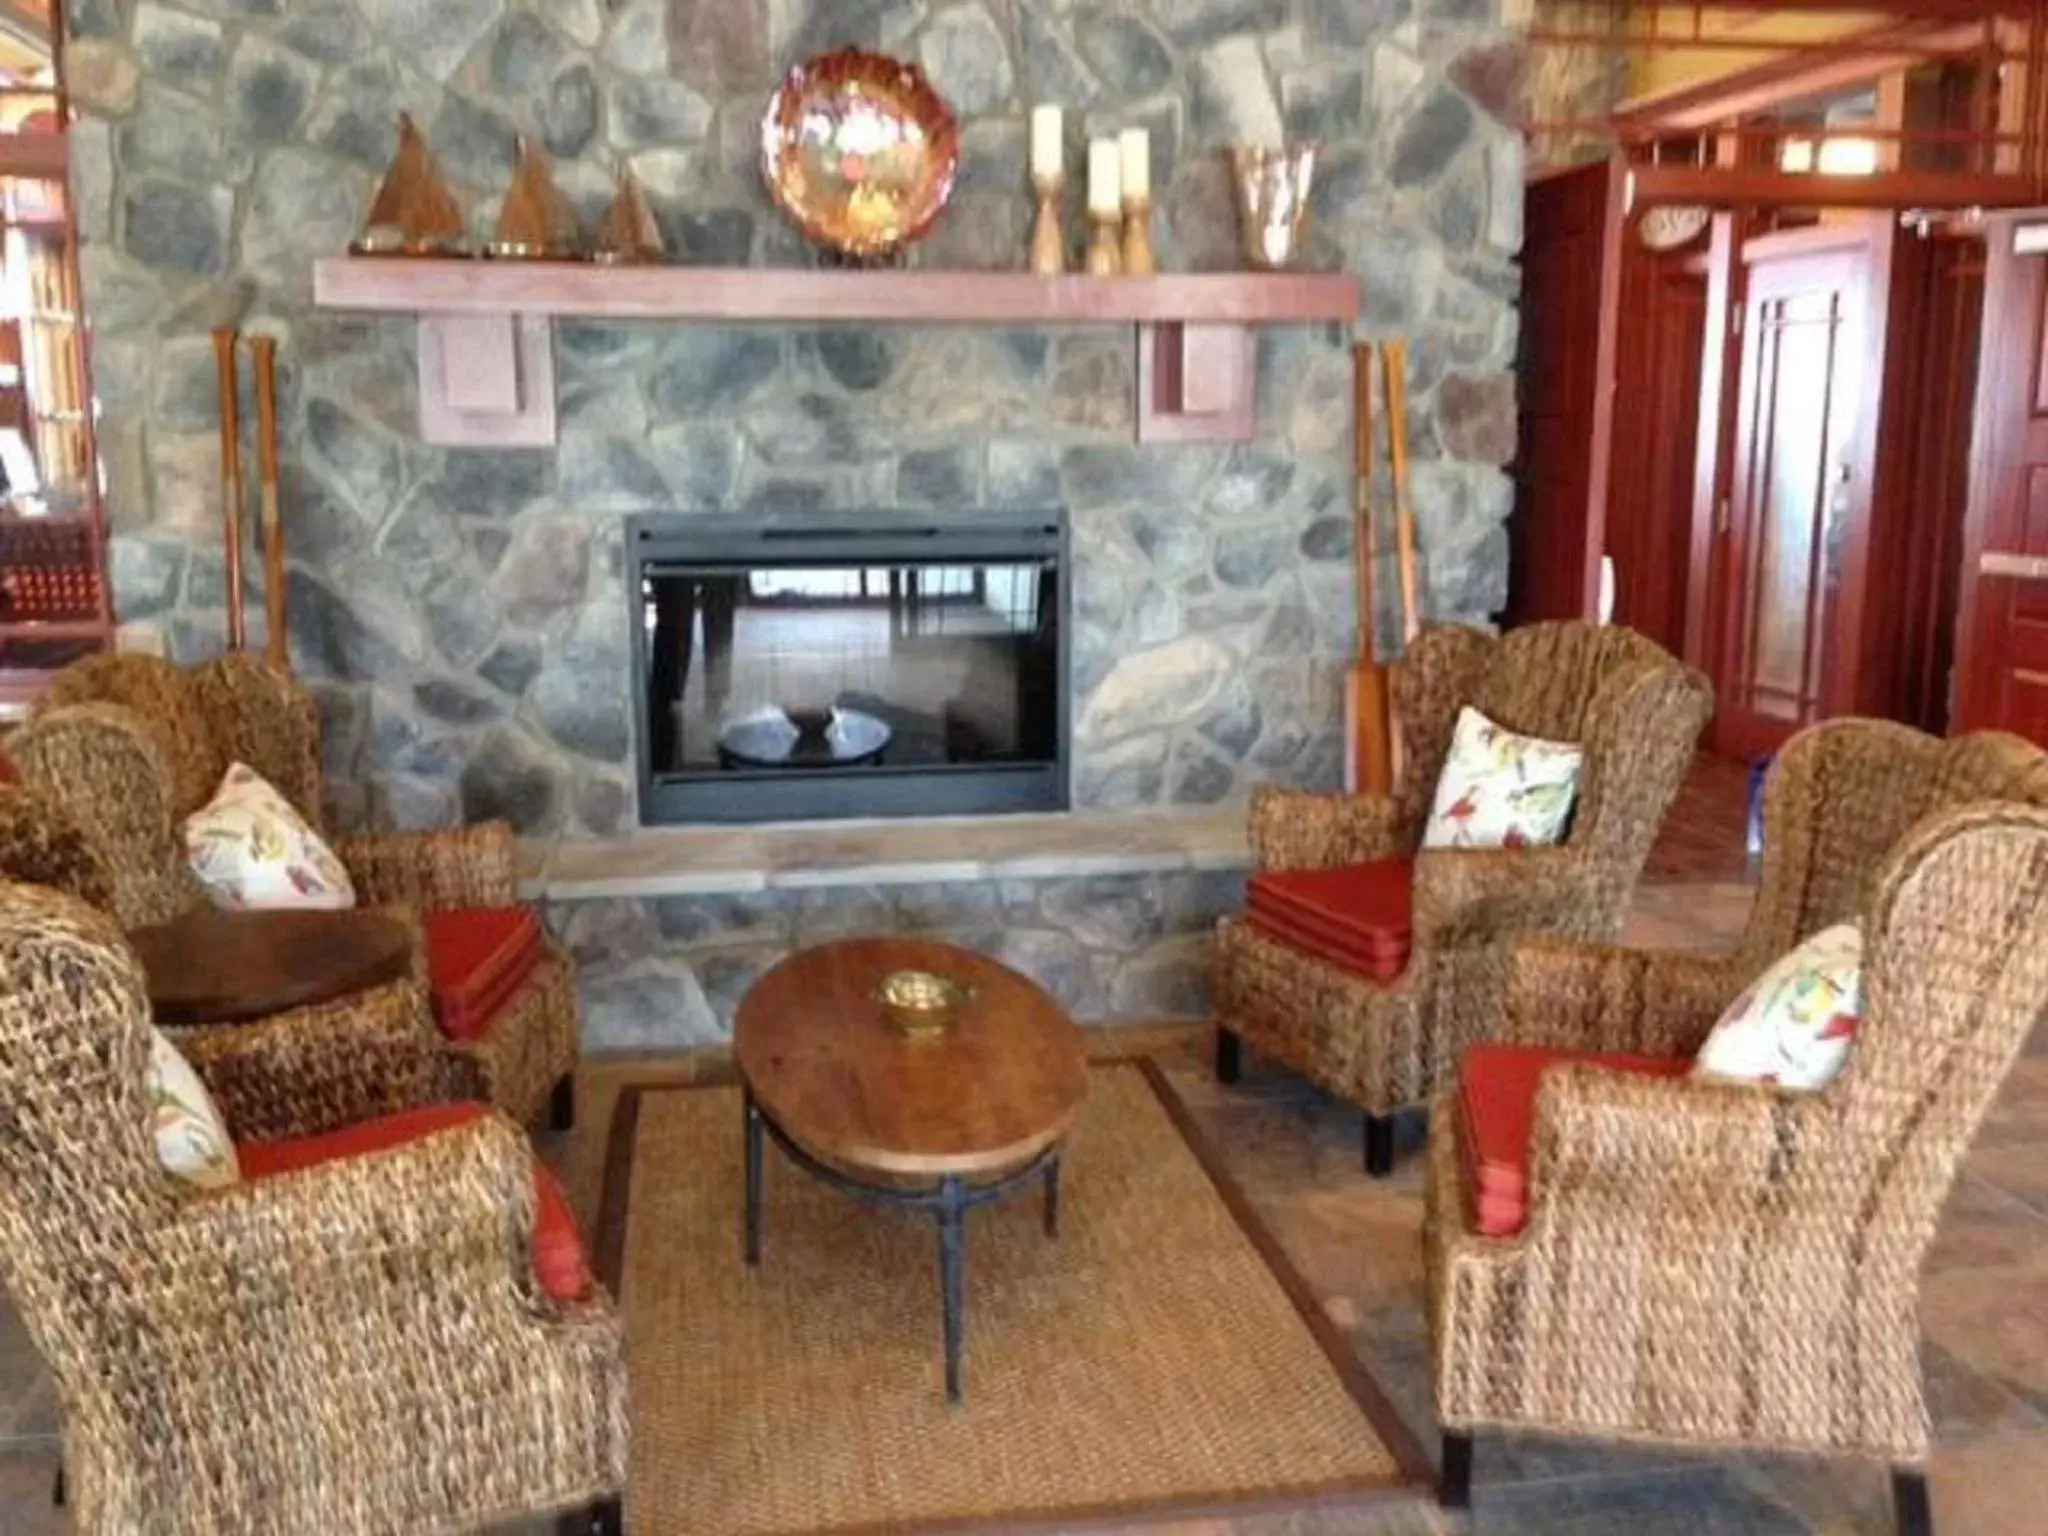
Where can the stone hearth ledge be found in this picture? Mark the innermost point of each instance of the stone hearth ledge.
(726, 860)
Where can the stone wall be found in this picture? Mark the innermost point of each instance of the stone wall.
(462, 612)
(665, 973)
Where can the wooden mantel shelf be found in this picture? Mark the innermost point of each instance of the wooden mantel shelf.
(797, 296)
(489, 320)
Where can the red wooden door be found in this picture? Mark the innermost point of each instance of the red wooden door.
(1571, 276)
(1658, 373)
(1791, 505)
(2002, 625)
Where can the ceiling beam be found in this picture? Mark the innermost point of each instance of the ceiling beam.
(1794, 76)
(1764, 188)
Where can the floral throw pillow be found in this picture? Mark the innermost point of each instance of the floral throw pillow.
(251, 848)
(191, 1140)
(1501, 789)
(1795, 1024)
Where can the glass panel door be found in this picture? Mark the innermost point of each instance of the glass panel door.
(1791, 503)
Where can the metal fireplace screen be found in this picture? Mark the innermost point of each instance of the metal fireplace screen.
(876, 667)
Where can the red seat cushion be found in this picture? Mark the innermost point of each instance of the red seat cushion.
(477, 957)
(1357, 917)
(1497, 1120)
(559, 1262)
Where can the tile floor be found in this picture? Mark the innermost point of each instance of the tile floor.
(1984, 1302)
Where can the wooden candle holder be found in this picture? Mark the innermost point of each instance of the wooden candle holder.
(1048, 239)
(1137, 246)
(1105, 249)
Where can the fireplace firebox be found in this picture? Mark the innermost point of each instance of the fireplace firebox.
(868, 665)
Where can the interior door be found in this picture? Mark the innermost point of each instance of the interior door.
(2002, 626)
(1791, 504)
(1649, 507)
(1571, 275)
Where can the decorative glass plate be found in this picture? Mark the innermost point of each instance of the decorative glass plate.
(860, 151)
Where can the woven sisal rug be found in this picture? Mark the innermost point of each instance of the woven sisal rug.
(1158, 1355)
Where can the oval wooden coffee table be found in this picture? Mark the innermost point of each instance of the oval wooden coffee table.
(939, 1125)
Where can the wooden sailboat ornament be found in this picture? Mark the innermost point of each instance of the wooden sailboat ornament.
(536, 223)
(413, 213)
(628, 232)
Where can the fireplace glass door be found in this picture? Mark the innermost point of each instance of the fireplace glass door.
(871, 670)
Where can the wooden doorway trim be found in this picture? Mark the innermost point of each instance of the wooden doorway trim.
(1720, 382)
(2002, 618)
(1571, 263)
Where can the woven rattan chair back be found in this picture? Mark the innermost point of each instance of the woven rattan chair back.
(80, 1187)
(232, 709)
(1840, 797)
(1732, 1265)
(1957, 976)
(1622, 696)
(163, 698)
(132, 745)
(40, 844)
(1564, 681)
(298, 1354)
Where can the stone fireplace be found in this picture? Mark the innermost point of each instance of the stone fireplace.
(876, 664)
(463, 614)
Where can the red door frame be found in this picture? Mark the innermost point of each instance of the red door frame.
(1560, 521)
(2012, 401)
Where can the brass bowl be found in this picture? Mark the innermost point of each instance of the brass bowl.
(922, 1004)
(860, 150)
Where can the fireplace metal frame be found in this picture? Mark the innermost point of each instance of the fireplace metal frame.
(656, 541)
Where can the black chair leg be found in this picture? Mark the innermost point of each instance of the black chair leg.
(1229, 1057)
(1379, 1145)
(1909, 1502)
(58, 1492)
(562, 1104)
(1454, 1484)
(606, 1517)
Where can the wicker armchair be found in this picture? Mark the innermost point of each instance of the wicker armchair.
(1719, 1265)
(360, 1346)
(1386, 1046)
(130, 745)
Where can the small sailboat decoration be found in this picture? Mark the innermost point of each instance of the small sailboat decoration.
(628, 233)
(536, 223)
(413, 213)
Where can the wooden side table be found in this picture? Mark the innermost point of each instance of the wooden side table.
(213, 967)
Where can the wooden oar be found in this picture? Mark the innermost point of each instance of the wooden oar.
(225, 339)
(276, 648)
(1394, 357)
(1368, 759)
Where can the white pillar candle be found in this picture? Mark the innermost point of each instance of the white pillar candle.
(1105, 191)
(1047, 149)
(1134, 147)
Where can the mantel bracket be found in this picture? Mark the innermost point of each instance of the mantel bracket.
(487, 381)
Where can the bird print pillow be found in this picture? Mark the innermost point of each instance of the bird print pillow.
(191, 1141)
(1501, 789)
(251, 848)
(1794, 1025)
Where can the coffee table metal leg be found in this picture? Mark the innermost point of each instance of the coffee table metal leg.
(952, 1239)
(1052, 1196)
(754, 1157)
